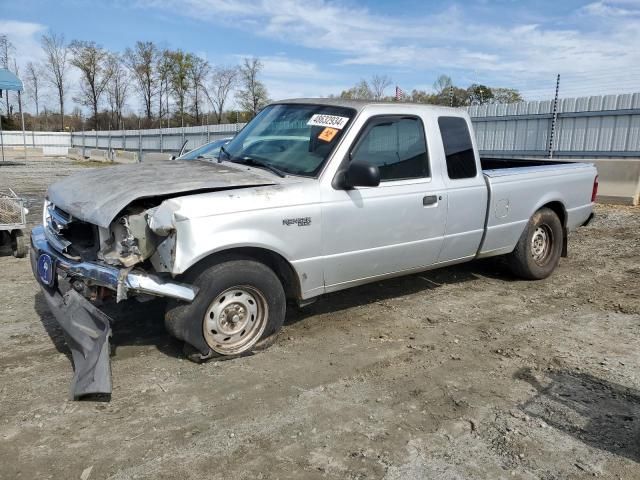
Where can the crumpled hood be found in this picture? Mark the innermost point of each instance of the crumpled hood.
(98, 195)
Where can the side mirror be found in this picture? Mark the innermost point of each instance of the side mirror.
(173, 157)
(359, 174)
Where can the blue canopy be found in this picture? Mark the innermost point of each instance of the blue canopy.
(9, 81)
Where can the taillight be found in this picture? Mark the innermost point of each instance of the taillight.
(594, 192)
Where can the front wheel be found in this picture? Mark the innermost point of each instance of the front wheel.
(539, 248)
(239, 309)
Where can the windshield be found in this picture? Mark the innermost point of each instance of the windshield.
(293, 139)
(210, 151)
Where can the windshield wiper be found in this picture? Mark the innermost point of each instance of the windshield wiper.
(254, 162)
(223, 150)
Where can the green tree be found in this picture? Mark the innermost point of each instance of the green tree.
(181, 64)
(479, 94)
(506, 95)
(360, 91)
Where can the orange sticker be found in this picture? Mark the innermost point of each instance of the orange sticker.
(327, 134)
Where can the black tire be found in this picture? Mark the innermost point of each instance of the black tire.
(19, 244)
(259, 288)
(539, 248)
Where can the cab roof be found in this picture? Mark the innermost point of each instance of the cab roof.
(359, 105)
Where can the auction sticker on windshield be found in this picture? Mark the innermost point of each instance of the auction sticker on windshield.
(327, 134)
(333, 121)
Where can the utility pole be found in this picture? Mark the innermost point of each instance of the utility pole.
(554, 118)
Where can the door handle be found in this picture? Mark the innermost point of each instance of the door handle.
(429, 200)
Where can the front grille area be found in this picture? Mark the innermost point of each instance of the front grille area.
(68, 235)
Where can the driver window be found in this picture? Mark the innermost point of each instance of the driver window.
(396, 145)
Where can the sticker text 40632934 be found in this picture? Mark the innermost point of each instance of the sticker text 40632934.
(332, 121)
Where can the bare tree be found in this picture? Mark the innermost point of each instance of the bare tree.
(442, 84)
(33, 84)
(163, 77)
(56, 52)
(253, 95)
(6, 49)
(93, 63)
(222, 82)
(117, 89)
(141, 61)
(198, 72)
(379, 83)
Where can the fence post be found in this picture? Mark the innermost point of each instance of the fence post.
(83, 144)
(139, 145)
(554, 119)
(161, 145)
(110, 156)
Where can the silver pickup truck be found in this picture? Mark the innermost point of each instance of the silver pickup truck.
(312, 196)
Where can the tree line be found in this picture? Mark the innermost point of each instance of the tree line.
(444, 93)
(173, 87)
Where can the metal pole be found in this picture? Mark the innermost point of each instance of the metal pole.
(24, 138)
(554, 118)
(1, 138)
(109, 154)
(161, 146)
(139, 141)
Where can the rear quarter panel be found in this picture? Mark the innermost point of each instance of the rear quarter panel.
(515, 194)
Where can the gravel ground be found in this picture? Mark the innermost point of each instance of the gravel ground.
(458, 373)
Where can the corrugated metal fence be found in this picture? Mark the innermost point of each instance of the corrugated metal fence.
(154, 140)
(594, 127)
(52, 143)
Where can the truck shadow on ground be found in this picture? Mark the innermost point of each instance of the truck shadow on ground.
(142, 324)
(599, 413)
(400, 286)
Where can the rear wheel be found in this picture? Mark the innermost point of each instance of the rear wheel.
(239, 309)
(539, 248)
(19, 244)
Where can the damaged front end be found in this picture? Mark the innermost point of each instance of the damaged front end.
(81, 266)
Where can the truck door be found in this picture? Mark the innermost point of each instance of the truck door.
(467, 192)
(394, 227)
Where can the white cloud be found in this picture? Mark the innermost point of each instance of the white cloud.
(595, 47)
(25, 37)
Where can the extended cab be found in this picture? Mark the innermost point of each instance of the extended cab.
(312, 196)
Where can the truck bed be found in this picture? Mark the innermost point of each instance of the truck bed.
(494, 163)
(519, 187)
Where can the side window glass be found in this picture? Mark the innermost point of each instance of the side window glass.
(458, 149)
(396, 146)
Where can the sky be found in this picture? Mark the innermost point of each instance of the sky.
(317, 48)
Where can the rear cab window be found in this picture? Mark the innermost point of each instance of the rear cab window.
(458, 148)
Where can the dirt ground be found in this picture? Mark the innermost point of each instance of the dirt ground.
(461, 373)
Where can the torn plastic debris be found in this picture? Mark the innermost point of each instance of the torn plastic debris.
(87, 331)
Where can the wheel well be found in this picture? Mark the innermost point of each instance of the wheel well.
(276, 262)
(559, 210)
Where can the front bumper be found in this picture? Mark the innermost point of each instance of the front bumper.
(121, 280)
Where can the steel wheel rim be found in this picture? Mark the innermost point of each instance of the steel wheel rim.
(235, 320)
(541, 244)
